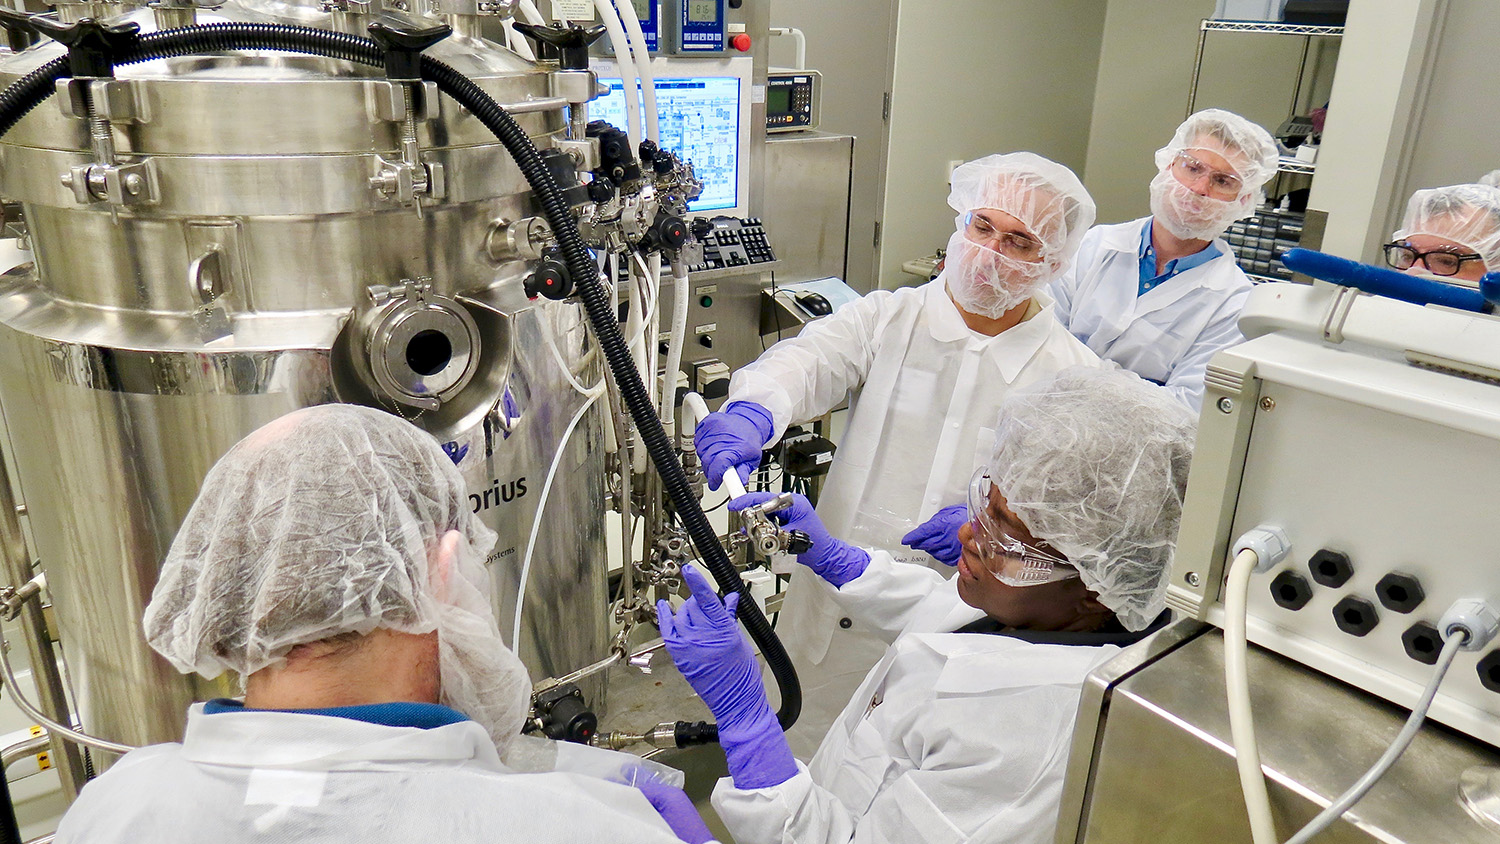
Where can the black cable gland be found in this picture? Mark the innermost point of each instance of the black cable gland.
(92, 46)
(402, 48)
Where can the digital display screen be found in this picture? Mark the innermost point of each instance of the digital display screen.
(699, 118)
(702, 11)
(642, 8)
(778, 99)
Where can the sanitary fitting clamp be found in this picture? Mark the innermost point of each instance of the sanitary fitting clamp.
(768, 537)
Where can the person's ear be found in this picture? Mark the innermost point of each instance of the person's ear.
(442, 561)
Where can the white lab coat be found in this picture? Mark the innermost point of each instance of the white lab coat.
(924, 394)
(276, 776)
(951, 738)
(1169, 334)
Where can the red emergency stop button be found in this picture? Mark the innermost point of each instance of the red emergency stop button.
(740, 42)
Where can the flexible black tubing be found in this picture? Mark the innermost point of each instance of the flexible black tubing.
(26, 93)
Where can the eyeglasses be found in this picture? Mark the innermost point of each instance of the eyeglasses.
(1010, 244)
(1190, 171)
(1007, 559)
(1438, 262)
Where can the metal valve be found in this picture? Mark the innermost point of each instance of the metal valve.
(765, 535)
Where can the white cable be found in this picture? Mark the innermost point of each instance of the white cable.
(1237, 683)
(1451, 644)
(642, 349)
(541, 507)
(628, 73)
(517, 42)
(642, 55)
(681, 294)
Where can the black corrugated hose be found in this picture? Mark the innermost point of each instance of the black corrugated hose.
(26, 93)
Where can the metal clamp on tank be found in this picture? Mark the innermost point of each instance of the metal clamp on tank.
(420, 348)
(402, 181)
(94, 95)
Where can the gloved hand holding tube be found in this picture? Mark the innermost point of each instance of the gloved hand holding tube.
(938, 535)
(732, 438)
(706, 644)
(834, 560)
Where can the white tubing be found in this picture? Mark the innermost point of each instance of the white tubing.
(541, 507)
(642, 65)
(517, 42)
(680, 300)
(628, 73)
(642, 343)
(1237, 684)
(1325, 818)
(694, 408)
(531, 13)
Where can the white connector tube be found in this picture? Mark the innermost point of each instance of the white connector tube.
(628, 73)
(1237, 684)
(695, 408)
(531, 13)
(642, 55)
(681, 298)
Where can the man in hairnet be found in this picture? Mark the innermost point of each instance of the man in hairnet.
(1161, 295)
(331, 561)
(1451, 233)
(961, 732)
(925, 369)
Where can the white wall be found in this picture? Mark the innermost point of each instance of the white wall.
(974, 77)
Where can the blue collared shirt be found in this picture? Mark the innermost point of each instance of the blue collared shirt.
(421, 715)
(1148, 277)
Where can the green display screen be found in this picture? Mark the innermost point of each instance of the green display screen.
(778, 99)
(642, 8)
(702, 11)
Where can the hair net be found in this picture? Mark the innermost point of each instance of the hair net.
(1466, 214)
(1045, 197)
(1250, 151)
(1490, 179)
(1095, 462)
(322, 523)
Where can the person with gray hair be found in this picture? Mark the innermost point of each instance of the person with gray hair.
(961, 732)
(332, 564)
(1161, 295)
(1451, 233)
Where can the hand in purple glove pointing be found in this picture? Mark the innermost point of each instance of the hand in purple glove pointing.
(938, 535)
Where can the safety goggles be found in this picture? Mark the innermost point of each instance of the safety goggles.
(1190, 171)
(1438, 262)
(1015, 245)
(1010, 560)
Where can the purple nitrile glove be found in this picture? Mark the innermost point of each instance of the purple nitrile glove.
(834, 560)
(733, 438)
(706, 644)
(677, 809)
(938, 535)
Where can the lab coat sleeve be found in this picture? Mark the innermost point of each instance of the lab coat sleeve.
(798, 811)
(1061, 289)
(806, 376)
(893, 597)
(1185, 382)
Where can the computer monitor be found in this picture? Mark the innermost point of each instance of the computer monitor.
(703, 109)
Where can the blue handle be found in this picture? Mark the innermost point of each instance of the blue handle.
(1383, 282)
(1489, 288)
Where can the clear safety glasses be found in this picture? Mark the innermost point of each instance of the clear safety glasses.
(983, 231)
(1190, 171)
(1009, 560)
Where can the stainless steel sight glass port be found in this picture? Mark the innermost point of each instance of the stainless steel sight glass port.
(423, 348)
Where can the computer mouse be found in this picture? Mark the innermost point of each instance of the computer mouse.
(815, 304)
